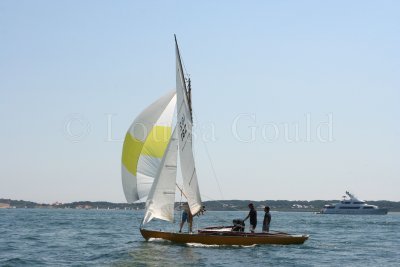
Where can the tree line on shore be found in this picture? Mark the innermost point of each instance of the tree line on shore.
(215, 205)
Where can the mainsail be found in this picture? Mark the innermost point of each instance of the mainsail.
(144, 146)
(184, 124)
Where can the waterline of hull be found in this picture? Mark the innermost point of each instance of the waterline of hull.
(245, 239)
(356, 212)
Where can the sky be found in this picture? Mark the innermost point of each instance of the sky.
(293, 100)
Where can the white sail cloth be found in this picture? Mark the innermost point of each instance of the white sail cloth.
(184, 125)
(144, 147)
(149, 157)
(161, 199)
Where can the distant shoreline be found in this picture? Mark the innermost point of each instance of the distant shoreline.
(217, 205)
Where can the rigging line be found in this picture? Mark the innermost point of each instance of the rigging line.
(183, 64)
(181, 60)
(180, 189)
(210, 160)
(192, 111)
(213, 170)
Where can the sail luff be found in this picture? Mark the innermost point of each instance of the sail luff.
(180, 67)
(187, 95)
(184, 124)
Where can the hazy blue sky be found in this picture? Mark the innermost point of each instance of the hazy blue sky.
(74, 74)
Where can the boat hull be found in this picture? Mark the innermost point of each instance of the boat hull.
(355, 212)
(226, 238)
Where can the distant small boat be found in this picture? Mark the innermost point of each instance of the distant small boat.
(149, 170)
(352, 205)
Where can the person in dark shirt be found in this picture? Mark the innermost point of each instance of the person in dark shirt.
(267, 220)
(253, 218)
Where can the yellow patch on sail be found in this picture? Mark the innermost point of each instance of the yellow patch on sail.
(157, 141)
(131, 152)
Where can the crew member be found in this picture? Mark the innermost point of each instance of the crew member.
(253, 218)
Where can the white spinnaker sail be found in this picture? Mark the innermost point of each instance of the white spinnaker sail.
(184, 125)
(148, 135)
(153, 150)
(161, 198)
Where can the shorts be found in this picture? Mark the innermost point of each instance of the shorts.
(252, 228)
(184, 216)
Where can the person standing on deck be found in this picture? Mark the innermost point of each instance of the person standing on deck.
(253, 218)
(267, 220)
(186, 217)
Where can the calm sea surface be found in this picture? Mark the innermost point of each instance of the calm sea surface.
(111, 238)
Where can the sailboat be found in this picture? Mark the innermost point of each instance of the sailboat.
(149, 170)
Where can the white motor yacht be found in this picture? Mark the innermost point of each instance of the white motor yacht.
(352, 205)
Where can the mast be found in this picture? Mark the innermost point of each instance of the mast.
(186, 82)
(189, 96)
(185, 125)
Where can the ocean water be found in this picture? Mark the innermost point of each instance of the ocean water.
(46, 237)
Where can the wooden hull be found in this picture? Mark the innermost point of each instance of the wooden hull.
(226, 238)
